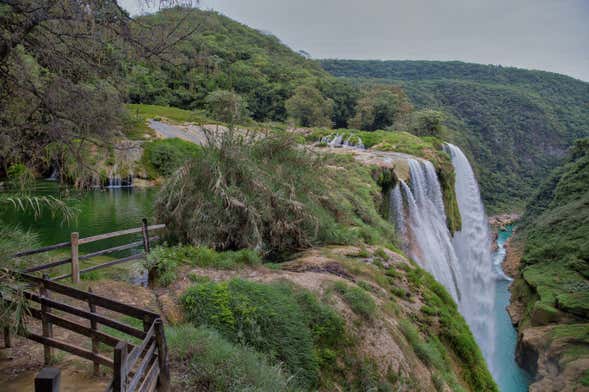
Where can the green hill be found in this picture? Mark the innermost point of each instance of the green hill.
(217, 53)
(516, 124)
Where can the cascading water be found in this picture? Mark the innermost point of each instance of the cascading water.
(473, 248)
(116, 181)
(337, 140)
(422, 223)
(461, 263)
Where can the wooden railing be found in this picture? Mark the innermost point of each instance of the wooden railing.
(75, 257)
(141, 367)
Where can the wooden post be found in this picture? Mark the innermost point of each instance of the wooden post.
(47, 328)
(75, 237)
(7, 342)
(94, 327)
(144, 226)
(48, 380)
(162, 356)
(120, 367)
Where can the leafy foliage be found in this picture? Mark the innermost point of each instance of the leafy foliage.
(380, 107)
(226, 106)
(308, 107)
(163, 157)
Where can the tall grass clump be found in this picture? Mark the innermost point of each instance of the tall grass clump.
(270, 194)
(205, 360)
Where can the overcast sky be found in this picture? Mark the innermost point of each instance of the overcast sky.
(551, 35)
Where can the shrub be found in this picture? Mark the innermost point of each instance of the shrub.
(357, 298)
(268, 194)
(207, 361)
(163, 157)
(266, 317)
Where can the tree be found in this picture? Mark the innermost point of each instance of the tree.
(380, 107)
(61, 66)
(426, 122)
(344, 96)
(226, 106)
(308, 107)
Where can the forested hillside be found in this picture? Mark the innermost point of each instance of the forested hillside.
(517, 124)
(218, 53)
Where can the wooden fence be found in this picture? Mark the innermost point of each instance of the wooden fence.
(75, 257)
(136, 367)
(140, 367)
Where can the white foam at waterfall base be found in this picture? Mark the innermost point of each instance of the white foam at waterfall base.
(461, 263)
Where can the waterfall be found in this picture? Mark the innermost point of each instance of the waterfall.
(424, 230)
(462, 263)
(337, 140)
(473, 248)
(116, 181)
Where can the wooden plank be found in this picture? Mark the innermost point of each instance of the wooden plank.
(88, 315)
(137, 351)
(114, 262)
(119, 233)
(41, 250)
(88, 256)
(48, 265)
(77, 328)
(148, 358)
(46, 324)
(104, 302)
(120, 368)
(80, 352)
(149, 381)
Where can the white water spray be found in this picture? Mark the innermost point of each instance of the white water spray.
(461, 263)
(473, 248)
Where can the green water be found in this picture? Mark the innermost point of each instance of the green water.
(100, 211)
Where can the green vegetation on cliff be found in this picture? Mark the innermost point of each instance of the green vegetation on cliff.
(554, 282)
(515, 123)
(556, 229)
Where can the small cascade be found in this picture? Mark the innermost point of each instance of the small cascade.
(337, 140)
(116, 181)
(54, 175)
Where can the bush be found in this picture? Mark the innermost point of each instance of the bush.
(207, 361)
(163, 157)
(266, 317)
(268, 194)
(357, 298)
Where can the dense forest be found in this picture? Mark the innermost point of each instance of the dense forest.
(516, 123)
